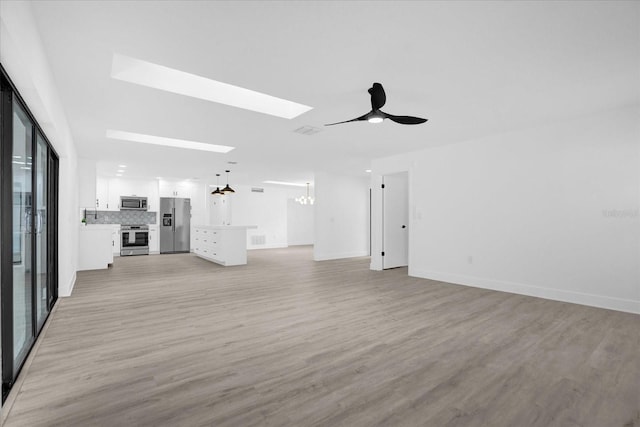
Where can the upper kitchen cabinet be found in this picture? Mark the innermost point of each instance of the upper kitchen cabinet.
(87, 184)
(102, 195)
(109, 191)
(182, 189)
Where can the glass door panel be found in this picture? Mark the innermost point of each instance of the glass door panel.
(40, 228)
(22, 234)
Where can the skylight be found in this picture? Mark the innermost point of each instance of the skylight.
(295, 184)
(168, 142)
(145, 73)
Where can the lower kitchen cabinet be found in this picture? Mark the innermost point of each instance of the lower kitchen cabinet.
(95, 247)
(115, 239)
(154, 240)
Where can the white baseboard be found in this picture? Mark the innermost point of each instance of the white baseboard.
(327, 257)
(276, 246)
(601, 301)
(72, 283)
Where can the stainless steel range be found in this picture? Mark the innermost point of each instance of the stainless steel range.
(134, 240)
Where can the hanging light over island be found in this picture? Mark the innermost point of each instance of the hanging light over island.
(227, 189)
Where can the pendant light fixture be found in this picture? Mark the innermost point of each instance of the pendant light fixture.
(227, 189)
(308, 200)
(217, 191)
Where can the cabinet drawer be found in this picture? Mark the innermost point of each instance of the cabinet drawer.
(209, 253)
(209, 242)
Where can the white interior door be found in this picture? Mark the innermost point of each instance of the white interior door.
(395, 206)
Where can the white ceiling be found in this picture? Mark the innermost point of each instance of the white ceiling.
(471, 68)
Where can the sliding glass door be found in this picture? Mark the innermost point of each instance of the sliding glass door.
(22, 160)
(28, 230)
(40, 230)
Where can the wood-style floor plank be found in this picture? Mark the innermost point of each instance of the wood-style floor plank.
(174, 340)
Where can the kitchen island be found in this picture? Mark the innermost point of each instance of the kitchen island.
(223, 244)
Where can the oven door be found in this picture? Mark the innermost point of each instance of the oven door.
(135, 239)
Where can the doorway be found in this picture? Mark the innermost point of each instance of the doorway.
(395, 220)
(28, 227)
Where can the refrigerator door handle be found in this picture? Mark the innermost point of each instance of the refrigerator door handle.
(173, 215)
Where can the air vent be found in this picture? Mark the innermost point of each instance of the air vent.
(258, 240)
(233, 163)
(307, 130)
(257, 190)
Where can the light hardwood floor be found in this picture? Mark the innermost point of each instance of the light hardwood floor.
(174, 340)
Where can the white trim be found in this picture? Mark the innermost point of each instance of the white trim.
(327, 257)
(601, 301)
(276, 246)
(72, 283)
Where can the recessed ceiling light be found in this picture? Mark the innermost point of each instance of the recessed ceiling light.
(295, 184)
(120, 170)
(148, 74)
(168, 142)
(368, 171)
(122, 166)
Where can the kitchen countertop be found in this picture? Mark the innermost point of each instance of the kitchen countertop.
(226, 227)
(97, 226)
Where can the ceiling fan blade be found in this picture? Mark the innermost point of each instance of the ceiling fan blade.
(357, 119)
(404, 120)
(378, 97)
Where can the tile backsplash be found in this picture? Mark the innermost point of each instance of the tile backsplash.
(120, 217)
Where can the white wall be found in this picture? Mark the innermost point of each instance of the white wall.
(23, 57)
(267, 210)
(549, 212)
(341, 217)
(300, 223)
(280, 224)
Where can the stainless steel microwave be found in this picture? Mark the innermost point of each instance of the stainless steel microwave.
(133, 203)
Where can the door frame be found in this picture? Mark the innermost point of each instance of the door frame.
(9, 93)
(377, 208)
(383, 211)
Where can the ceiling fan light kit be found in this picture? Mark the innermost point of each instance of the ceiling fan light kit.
(378, 99)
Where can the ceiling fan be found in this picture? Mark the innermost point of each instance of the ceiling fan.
(378, 99)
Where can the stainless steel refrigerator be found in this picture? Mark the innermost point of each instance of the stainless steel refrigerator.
(175, 225)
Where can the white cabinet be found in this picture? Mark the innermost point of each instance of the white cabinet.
(109, 191)
(154, 240)
(94, 247)
(115, 239)
(102, 193)
(183, 189)
(153, 198)
(224, 245)
(116, 189)
(87, 183)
